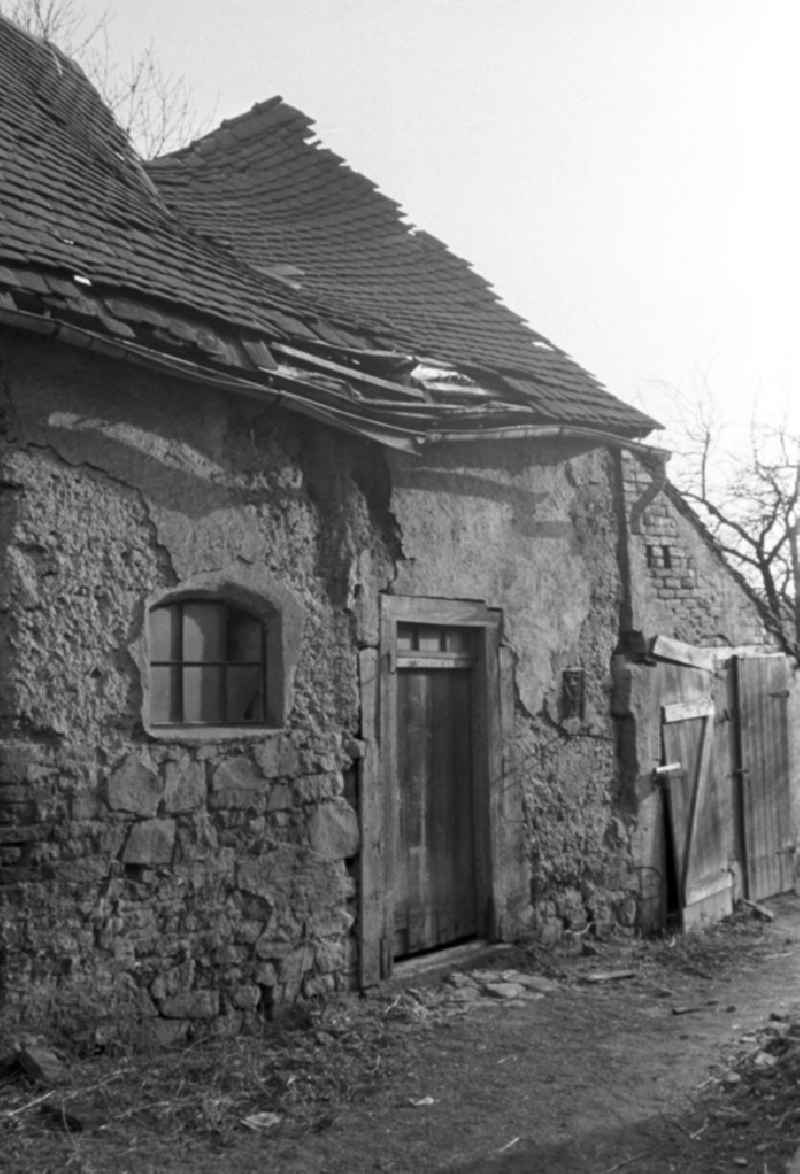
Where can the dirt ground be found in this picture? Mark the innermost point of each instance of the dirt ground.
(689, 1063)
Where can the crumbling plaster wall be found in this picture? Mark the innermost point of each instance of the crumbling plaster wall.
(189, 879)
(532, 530)
(179, 879)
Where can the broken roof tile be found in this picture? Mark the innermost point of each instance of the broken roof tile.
(256, 232)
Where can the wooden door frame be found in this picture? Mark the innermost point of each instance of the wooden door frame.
(378, 783)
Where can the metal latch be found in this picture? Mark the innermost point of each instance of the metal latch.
(669, 768)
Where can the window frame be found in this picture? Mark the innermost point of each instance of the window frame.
(225, 606)
(253, 589)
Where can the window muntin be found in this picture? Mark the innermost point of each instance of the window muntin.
(207, 664)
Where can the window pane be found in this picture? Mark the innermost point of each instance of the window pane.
(456, 640)
(203, 631)
(164, 695)
(244, 636)
(202, 695)
(405, 637)
(164, 633)
(245, 695)
(430, 640)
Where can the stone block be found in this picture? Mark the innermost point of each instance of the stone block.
(261, 875)
(333, 830)
(150, 842)
(319, 986)
(271, 947)
(265, 974)
(330, 957)
(329, 924)
(316, 788)
(191, 1005)
(277, 757)
(174, 981)
(237, 783)
(246, 997)
(280, 798)
(167, 1033)
(268, 755)
(135, 788)
(294, 968)
(198, 838)
(83, 805)
(185, 788)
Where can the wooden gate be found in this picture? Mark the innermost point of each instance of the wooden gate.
(435, 899)
(725, 774)
(699, 848)
(762, 693)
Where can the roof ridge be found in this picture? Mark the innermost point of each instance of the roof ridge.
(240, 128)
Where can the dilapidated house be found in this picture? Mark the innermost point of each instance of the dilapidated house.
(328, 590)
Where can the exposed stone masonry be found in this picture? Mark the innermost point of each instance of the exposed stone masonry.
(170, 879)
(682, 586)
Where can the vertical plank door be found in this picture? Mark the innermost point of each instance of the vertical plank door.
(434, 876)
(705, 884)
(762, 692)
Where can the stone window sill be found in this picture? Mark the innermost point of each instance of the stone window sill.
(210, 733)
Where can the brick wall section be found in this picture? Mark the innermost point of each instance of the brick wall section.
(681, 585)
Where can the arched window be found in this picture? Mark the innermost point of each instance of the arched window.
(208, 664)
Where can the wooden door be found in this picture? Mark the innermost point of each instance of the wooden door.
(705, 884)
(762, 692)
(435, 901)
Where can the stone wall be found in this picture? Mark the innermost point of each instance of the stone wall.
(200, 876)
(185, 879)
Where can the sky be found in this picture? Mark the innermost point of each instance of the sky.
(626, 173)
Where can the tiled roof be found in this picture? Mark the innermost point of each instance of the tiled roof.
(265, 188)
(259, 260)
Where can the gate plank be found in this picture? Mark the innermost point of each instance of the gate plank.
(681, 711)
(665, 648)
(705, 884)
(762, 727)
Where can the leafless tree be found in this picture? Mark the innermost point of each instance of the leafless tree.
(155, 109)
(749, 498)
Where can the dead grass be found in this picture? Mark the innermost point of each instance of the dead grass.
(199, 1107)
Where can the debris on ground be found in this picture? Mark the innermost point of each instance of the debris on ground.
(609, 975)
(308, 1077)
(759, 910)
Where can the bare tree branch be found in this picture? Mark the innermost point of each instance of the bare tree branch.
(751, 511)
(155, 109)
